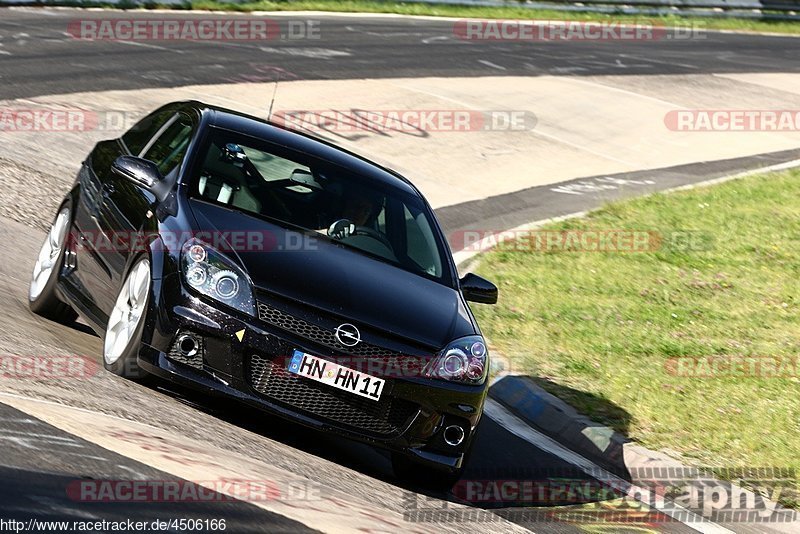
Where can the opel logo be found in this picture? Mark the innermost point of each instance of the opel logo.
(348, 335)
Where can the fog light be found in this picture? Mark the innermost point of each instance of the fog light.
(453, 435)
(187, 345)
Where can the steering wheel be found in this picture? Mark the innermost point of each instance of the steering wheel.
(374, 234)
(344, 228)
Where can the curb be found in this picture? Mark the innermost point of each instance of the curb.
(558, 420)
(614, 452)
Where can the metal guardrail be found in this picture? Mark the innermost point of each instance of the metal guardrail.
(777, 5)
(786, 10)
(747, 9)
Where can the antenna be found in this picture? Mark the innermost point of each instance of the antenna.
(274, 92)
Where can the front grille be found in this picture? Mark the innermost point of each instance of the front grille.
(317, 334)
(387, 417)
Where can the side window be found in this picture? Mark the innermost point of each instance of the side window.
(273, 167)
(168, 150)
(380, 221)
(142, 132)
(421, 243)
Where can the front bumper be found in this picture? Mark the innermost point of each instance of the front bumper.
(409, 418)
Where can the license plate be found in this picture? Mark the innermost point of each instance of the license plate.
(336, 375)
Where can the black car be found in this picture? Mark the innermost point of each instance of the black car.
(228, 254)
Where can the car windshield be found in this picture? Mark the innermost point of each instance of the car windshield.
(296, 189)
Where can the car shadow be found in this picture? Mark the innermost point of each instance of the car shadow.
(593, 406)
(499, 459)
(81, 327)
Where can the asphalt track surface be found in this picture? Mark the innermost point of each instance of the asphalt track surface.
(42, 57)
(36, 485)
(36, 465)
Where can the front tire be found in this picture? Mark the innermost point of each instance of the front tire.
(126, 322)
(42, 297)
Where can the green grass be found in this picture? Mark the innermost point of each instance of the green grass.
(410, 8)
(604, 324)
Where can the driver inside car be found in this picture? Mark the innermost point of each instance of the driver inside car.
(357, 211)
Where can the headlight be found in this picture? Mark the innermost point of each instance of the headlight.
(465, 360)
(214, 275)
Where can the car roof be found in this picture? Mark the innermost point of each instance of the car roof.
(319, 148)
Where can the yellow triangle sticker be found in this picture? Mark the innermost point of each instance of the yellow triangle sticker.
(240, 335)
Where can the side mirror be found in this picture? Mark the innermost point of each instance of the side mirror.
(477, 289)
(139, 171)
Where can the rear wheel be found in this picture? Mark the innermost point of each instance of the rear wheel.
(126, 322)
(42, 297)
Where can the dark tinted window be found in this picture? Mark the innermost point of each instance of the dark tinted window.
(294, 188)
(143, 131)
(168, 150)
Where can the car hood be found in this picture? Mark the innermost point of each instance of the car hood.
(340, 281)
